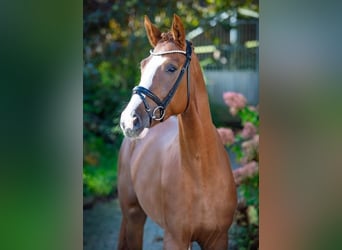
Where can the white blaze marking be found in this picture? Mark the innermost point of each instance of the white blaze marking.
(146, 81)
(150, 70)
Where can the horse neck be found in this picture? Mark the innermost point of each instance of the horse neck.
(197, 135)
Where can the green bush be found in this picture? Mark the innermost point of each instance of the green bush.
(100, 168)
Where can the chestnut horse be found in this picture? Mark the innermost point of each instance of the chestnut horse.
(172, 164)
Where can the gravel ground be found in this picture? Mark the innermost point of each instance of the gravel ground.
(101, 225)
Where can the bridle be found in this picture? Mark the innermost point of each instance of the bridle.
(162, 104)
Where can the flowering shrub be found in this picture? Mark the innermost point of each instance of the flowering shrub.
(227, 135)
(245, 145)
(235, 101)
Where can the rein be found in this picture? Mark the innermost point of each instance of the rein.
(162, 104)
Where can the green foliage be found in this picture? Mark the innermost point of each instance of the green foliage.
(249, 223)
(107, 75)
(100, 167)
(99, 181)
(245, 229)
(249, 189)
(246, 237)
(248, 114)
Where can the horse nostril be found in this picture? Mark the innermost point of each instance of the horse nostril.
(136, 121)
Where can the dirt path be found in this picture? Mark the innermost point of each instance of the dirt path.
(101, 225)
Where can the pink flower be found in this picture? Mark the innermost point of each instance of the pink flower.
(250, 149)
(245, 171)
(249, 130)
(235, 101)
(226, 135)
(252, 108)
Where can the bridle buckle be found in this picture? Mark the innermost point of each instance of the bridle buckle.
(161, 110)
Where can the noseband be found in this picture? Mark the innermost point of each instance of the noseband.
(162, 104)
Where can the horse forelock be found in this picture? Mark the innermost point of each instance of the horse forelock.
(168, 37)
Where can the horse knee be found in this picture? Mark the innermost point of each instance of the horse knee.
(136, 214)
(132, 228)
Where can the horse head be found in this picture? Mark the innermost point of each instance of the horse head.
(162, 91)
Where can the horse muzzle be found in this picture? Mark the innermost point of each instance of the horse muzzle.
(133, 125)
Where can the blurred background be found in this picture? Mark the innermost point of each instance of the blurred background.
(225, 35)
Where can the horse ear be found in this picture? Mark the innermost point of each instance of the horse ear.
(153, 34)
(178, 31)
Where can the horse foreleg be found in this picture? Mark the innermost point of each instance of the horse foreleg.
(132, 229)
(133, 217)
(122, 245)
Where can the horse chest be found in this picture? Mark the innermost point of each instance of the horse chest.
(153, 177)
(175, 197)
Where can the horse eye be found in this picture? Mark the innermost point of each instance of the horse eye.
(171, 69)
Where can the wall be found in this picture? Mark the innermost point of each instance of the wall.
(244, 82)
